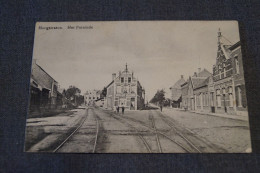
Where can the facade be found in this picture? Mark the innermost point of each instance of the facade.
(204, 95)
(224, 90)
(176, 93)
(184, 95)
(44, 89)
(228, 77)
(91, 96)
(192, 89)
(125, 91)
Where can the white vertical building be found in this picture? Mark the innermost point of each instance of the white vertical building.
(91, 96)
(125, 91)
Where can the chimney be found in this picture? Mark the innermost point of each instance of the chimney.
(181, 76)
(113, 76)
(199, 70)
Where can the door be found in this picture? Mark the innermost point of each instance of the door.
(122, 102)
(132, 105)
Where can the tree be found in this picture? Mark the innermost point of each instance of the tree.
(159, 97)
(71, 92)
(73, 95)
(80, 99)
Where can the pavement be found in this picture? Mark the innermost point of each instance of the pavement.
(235, 117)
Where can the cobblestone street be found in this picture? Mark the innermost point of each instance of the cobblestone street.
(95, 130)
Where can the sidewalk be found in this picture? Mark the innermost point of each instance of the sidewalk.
(235, 117)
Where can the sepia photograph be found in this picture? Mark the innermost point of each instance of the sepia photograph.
(137, 87)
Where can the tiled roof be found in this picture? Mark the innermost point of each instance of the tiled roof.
(200, 82)
(176, 94)
(178, 83)
(197, 82)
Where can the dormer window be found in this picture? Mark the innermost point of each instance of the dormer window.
(122, 80)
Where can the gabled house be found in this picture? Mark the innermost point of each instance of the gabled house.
(124, 91)
(176, 93)
(198, 80)
(228, 77)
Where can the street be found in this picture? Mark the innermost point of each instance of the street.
(95, 130)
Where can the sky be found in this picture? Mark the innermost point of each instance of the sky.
(158, 52)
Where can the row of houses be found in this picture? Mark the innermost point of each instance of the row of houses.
(44, 90)
(123, 91)
(222, 91)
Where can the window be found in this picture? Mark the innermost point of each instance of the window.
(230, 94)
(239, 98)
(218, 98)
(206, 99)
(203, 99)
(224, 70)
(122, 80)
(198, 100)
(93, 97)
(129, 80)
(237, 65)
(89, 97)
(118, 89)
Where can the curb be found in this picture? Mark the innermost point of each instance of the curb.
(203, 113)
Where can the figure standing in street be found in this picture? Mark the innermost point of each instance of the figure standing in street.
(117, 109)
(161, 106)
(123, 109)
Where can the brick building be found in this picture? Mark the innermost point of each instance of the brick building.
(228, 77)
(124, 90)
(195, 88)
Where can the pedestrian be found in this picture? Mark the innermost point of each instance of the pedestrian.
(117, 109)
(161, 107)
(123, 109)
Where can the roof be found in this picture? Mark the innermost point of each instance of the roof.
(204, 74)
(178, 84)
(198, 83)
(176, 95)
(45, 72)
(234, 46)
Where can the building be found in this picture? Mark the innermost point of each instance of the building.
(176, 93)
(124, 91)
(43, 89)
(204, 94)
(194, 88)
(92, 96)
(228, 77)
(184, 95)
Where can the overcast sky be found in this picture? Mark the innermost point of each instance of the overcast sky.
(158, 52)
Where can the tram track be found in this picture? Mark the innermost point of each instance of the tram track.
(172, 125)
(156, 134)
(97, 131)
(74, 132)
(152, 130)
(134, 128)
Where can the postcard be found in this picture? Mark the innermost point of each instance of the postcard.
(137, 87)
